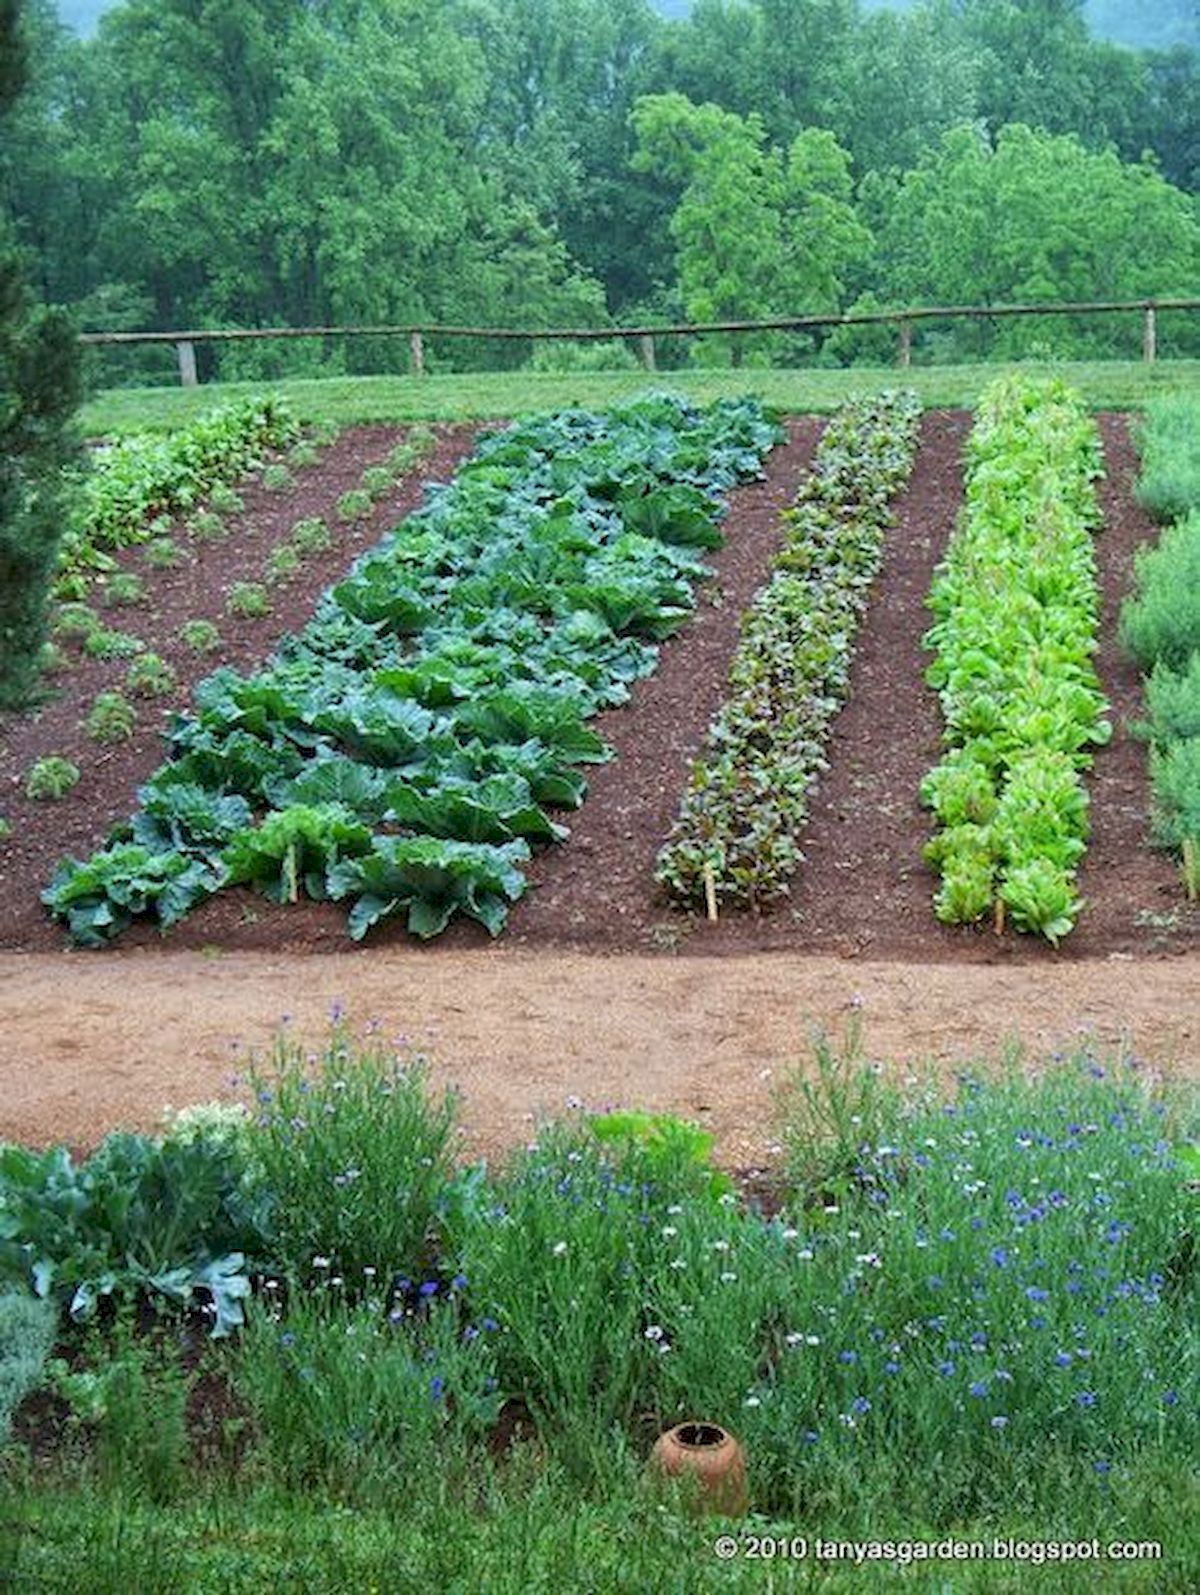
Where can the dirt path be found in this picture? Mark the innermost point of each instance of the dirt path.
(90, 1043)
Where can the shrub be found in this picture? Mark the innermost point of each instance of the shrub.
(311, 536)
(161, 553)
(1161, 621)
(355, 505)
(27, 1329)
(1174, 700)
(1175, 779)
(282, 564)
(150, 676)
(324, 433)
(352, 1157)
(302, 454)
(201, 636)
(124, 588)
(1169, 442)
(249, 600)
(51, 777)
(276, 478)
(112, 718)
(51, 659)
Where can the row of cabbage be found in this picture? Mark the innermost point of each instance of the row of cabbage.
(1160, 625)
(737, 835)
(1016, 603)
(139, 478)
(403, 749)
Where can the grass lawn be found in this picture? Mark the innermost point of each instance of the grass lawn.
(1115, 385)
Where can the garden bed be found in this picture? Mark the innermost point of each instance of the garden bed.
(863, 888)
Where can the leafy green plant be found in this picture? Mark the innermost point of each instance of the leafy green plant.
(162, 553)
(101, 897)
(302, 454)
(377, 480)
(52, 660)
(355, 505)
(150, 676)
(295, 850)
(1016, 608)
(276, 478)
(75, 621)
(112, 718)
(105, 644)
(282, 564)
(311, 536)
(124, 588)
(225, 500)
(27, 1331)
(429, 880)
(207, 527)
(670, 1145)
(736, 835)
(201, 636)
(249, 600)
(5, 829)
(140, 1215)
(51, 777)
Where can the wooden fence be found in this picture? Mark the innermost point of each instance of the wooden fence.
(644, 337)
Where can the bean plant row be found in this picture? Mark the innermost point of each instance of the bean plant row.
(1017, 606)
(747, 797)
(404, 748)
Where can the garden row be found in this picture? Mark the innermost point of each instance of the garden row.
(1004, 1282)
(1160, 625)
(1017, 609)
(747, 793)
(403, 747)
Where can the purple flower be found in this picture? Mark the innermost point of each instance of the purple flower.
(458, 1282)
(437, 1386)
(429, 1288)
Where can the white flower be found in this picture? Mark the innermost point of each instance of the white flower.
(812, 1340)
(728, 1199)
(833, 1208)
(678, 1262)
(854, 1235)
(805, 1255)
(669, 1232)
(321, 1262)
(873, 1258)
(653, 1332)
(753, 1401)
(674, 1210)
(728, 1279)
(794, 1339)
(790, 1234)
(720, 1246)
(559, 1248)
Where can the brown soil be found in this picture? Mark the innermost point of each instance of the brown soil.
(526, 1023)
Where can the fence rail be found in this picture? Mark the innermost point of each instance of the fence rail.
(644, 336)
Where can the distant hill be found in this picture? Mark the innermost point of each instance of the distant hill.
(1154, 24)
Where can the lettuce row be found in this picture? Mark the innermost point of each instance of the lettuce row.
(1016, 608)
(747, 792)
(403, 748)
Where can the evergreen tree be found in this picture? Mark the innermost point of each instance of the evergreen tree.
(39, 393)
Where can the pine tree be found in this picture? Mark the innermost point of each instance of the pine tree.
(40, 390)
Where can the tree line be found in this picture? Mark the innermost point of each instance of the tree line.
(551, 162)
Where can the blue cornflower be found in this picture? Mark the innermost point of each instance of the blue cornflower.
(429, 1288)
(979, 1341)
(1086, 1398)
(1170, 1398)
(948, 1234)
(436, 1387)
(810, 1437)
(891, 1367)
(1036, 1293)
(1057, 1198)
(458, 1282)
(999, 1422)
(860, 1404)
(287, 1338)
(1102, 1465)
(847, 1356)
(921, 1160)
(977, 1222)
(1000, 1256)
(488, 1324)
(1062, 1359)
(979, 1387)
(945, 1369)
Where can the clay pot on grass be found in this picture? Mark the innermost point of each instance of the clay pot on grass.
(710, 1455)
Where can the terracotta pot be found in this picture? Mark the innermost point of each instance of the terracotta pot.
(710, 1455)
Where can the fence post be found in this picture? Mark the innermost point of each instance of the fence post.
(1150, 336)
(646, 349)
(416, 346)
(904, 350)
(186, 350)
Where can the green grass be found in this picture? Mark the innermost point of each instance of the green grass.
(481, 395)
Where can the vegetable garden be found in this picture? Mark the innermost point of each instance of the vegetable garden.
(419, 744)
